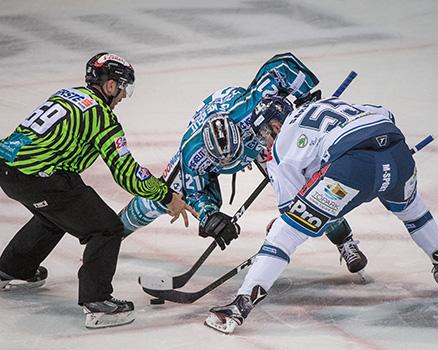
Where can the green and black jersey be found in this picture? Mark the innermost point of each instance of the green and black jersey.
(68, 132)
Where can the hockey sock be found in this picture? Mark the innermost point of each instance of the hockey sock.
(338, 231)
(264, 272)
(273, 257)
(421, 225)
(138, 213)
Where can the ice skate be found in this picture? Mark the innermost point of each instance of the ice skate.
(435, 272)
(226, 318)
(8, 282)
(108, 313)
(354, 258)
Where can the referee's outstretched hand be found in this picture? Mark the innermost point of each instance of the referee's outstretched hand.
(178, 207)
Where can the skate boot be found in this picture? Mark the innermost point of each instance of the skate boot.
(108, 313)
(350, 252)
(435, 265)
(225, 318)
(435, 272)
(8, 282)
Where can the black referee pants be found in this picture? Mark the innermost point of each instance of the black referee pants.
(62, 203)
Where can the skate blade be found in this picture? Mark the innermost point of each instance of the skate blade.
(94, 320)
(226, 325)
(362, 277)
(20, 285)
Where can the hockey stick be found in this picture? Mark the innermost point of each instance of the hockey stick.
(347, 81)
(164, 283)
(190, 297)
(420, 145)
(180, 297)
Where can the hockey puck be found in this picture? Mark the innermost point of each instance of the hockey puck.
(157, 301)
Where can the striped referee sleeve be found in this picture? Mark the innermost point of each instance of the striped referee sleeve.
(137, 180)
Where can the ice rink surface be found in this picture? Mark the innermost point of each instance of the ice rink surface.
(182, 51)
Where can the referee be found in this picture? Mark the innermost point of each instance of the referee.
(40, 163)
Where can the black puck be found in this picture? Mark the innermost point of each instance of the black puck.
(157, 301)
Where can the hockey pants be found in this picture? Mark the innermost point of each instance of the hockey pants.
(357, 177)
(62, 203)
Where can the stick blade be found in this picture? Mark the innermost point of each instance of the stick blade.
(171, 294)
(154, 282)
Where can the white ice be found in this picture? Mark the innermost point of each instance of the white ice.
(182, 51)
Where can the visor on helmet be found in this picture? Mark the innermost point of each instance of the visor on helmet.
(270, 108)
(127, 86)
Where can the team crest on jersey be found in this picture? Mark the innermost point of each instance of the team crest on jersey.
(302, 141)
(143, 173)
(121, 146)
(78, 98)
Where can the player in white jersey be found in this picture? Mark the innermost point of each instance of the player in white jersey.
(204, 155)
(327, 158)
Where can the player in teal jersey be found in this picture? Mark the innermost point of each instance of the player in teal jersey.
(194, 169)
(218, 140)
(40, 163)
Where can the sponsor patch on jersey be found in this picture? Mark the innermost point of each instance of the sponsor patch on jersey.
(78, 98)
(121, 146)
(245, 125)
(386, 177)
(143, 173)
(315, 177)
(10, 146)
(171, 167)
(199, 162)
(331, 196)
(306, 216)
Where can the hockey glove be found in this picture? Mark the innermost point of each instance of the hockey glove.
(220, 227)
(310, 97)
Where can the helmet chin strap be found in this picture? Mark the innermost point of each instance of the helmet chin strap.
(112, 98)
(273, 133)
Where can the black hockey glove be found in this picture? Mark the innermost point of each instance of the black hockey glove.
(310, 97)
(220, 227)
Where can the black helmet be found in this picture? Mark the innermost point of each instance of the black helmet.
(106, 66)
(268, 109)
